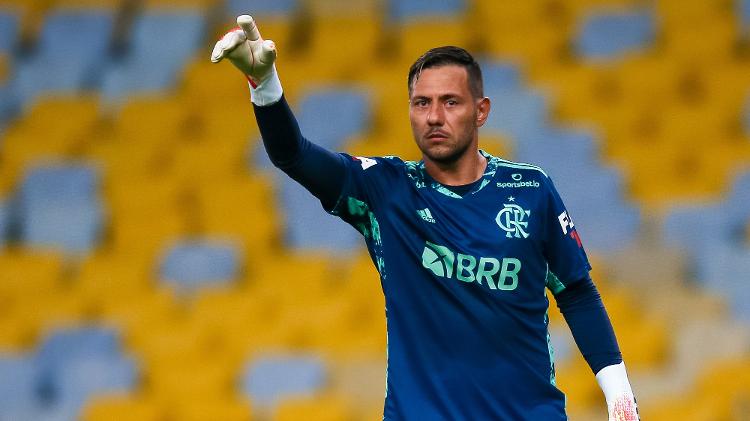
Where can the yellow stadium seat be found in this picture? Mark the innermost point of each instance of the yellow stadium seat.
(47, 312)
(4, 68)
(214, 84)
(146, 119)
(687, 408)
(27, 273)
(728, 381)
(679, 14)
(343, 44)
(138, 318)
(326, 408)
(105, 279)
(177, 381)
(418, 36)
(87, 4)
(575, 379)
(122, 408)
(17, 333)
(147, 214)
(27, 140)
(243, 208)
(225, 409)
(180, 4)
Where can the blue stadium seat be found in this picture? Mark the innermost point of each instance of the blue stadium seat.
(60, 182)
(518, 113)
(309, 227)
(500, 77)
(328, 116)
(403, 10)
(18, 375)
(723, 269)
(74, 229)
(695, 228)
(69, 346)
(160, 46)
(4, 223)
(266, 380)
(194, 263)
(71, 52)
(737, 206)
(261, 7)
(9, 24)
(608, 34)
(743, 11)
(65, 345)
(77, 382)
(58, 207)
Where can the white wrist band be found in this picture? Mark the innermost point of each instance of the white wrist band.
(613, 380)
(268, 91)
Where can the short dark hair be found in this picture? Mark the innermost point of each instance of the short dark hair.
(449, 55)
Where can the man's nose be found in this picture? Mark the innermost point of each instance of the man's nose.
(436, 115)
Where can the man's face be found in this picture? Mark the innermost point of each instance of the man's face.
(444, 115)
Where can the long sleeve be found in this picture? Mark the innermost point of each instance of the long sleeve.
(582, 307)
(320, 171)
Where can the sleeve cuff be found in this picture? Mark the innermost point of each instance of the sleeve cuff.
(613, 380)
(268, 91)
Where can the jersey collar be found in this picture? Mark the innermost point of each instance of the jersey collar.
(418, 175)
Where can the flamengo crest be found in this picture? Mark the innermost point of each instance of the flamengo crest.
(513, 219)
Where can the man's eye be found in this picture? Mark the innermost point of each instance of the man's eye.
(420, 103)
(451, 102)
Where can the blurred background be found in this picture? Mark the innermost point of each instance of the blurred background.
(154, 266)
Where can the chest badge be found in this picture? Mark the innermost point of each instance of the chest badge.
(513, 219)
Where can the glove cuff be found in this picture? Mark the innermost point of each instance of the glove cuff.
(268, 91)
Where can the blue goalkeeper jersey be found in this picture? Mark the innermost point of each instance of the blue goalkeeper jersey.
(464, 278)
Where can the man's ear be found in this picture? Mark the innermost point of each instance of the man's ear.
(483, 111)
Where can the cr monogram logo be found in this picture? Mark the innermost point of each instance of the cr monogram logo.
(513, 219)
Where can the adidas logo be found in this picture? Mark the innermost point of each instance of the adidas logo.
(426, 215)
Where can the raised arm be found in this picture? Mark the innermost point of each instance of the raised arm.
(320, 171)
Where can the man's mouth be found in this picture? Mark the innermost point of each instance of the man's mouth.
(437, 135)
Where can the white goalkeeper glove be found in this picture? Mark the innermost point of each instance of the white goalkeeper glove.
(254, 56)
(621, 405)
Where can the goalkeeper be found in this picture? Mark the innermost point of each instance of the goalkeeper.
(465, 244)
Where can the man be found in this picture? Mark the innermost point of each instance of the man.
(465, 244)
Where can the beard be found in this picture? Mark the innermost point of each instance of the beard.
(448, 151)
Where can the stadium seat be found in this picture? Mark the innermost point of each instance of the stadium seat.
(122, 407)
(418, 25)
(80, 380)
(192, 264)
(309, 227)
(329, 408)
(18, 377)
(606, 35)
(4, 223)
(225, 409)
(161, 43)
(9, 31)
(267, 380)
(404, 10)
(500, 76)
(261, 7)
(719, 269)
(350, 108)
(518, 113)
(743, 9)
(58, 207)
(73, 43)
(64, 346)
